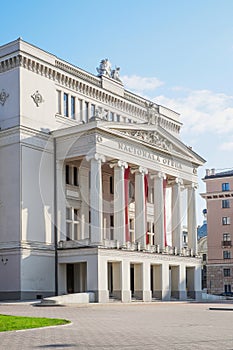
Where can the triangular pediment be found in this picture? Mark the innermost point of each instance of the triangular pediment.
(156, 137)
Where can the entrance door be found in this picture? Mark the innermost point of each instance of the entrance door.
(70, 278)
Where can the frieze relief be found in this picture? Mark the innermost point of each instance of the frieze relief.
(151, 137)
(3, 97)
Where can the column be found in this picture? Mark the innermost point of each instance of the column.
(146, 282)
(96, 198)
(159, 210)
(176, 215)
(192, 223)
(140, 207)
(182, 282)
(84, 189)
(125, 281)
(119, 201)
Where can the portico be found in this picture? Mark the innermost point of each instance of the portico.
(132, 188)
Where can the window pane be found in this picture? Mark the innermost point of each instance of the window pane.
(75, 176)
(58, 102)
(225, 186)
(66, 109)
(225, 203)
(72, 107)
(67, 174)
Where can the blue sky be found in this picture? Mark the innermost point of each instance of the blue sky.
(178, 53)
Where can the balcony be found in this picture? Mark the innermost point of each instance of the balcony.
(226, 244)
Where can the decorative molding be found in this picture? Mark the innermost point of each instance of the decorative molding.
(87, 84)
(151, 137)
(3, 96)
(37, 98)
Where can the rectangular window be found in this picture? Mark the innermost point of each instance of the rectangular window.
(67, 174)
(226, 237)
(58, 102)
(226, 220)
(92, 111)
(80, 110)
(227, 288)
(118, 118)
(111, 227)
(111, 116)
(226, 272)
(75, 176)
(226, 254)
(72, 101)
(204, 257)
(225, 186)
(86, 117)
(226, 203)
(72, 224)
(111, 185)
(131, 230)
(66, 105)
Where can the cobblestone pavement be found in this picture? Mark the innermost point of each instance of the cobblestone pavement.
(137, 326)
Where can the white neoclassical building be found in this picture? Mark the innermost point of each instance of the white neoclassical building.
(95, 185)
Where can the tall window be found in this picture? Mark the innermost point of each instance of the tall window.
(227, 288)
(111, 116)
(226, 237)
(226, 254)
(131, 230)
(80, 109)
(86, 117)
(66, 105)
(225, 203)
(150, 232)
(225, 186)
(72, 102)
(226, 272)
(111, 227)
(72, 224)
(118, 118)
(111, 185)
(92, 111)
(226, 220)
(58, 102)
(71, 175)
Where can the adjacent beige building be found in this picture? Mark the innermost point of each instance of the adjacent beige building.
(219, 194)
(92, 184)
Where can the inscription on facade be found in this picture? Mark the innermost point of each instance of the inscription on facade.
(149, 155)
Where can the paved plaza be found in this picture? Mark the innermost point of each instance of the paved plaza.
(137, 326)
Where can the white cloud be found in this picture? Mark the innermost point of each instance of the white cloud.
(227, 146)
(140, 84)
(202, 111)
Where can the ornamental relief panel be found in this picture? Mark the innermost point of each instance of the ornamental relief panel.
(151, 137)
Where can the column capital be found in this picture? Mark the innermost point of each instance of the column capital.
(176, 181)
(192, 185)
(119, 163)
(140, 170)
(159, 175)
(96, 156)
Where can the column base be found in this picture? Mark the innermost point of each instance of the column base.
(147, 296)
(103, 296)
(126, 296)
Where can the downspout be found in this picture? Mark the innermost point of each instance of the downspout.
(55, 217)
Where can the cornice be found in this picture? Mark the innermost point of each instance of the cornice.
(89, 85)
